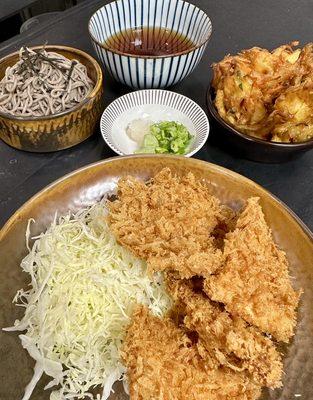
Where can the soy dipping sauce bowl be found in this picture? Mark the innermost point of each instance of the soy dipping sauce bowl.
(150, 71)
(245, 146)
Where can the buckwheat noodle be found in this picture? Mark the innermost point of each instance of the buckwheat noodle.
(43, 83)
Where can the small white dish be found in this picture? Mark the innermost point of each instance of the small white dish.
(154, 105)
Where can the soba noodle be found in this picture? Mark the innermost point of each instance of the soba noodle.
(43, 83)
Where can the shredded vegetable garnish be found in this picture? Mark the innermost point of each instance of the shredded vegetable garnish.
(84, 287)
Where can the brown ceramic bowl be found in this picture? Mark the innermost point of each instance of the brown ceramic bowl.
(247, 146)
(88, 185)
(62, 130)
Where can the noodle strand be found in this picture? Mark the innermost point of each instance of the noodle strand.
(43, 83)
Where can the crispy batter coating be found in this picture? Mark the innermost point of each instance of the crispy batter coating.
(224, 339)
(254, 281)
(169, 222)
(229, 281)
(293, 114)
(163, 364)
(305, 66)
(226, 224)
(247, 84)
(267, 94)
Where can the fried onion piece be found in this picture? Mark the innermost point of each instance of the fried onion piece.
(254, 282)
(238, 100)
(162, 363)
(305, 67)
(293, 115)
(169, 222)
(292, 112)
(225, 339)
(247, 84)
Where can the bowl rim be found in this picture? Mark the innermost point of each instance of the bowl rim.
(212, 110)
(92, 94)
(4, 230)
(171, 93)
(121, 53)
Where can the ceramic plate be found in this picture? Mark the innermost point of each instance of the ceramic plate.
(155, 106)
(89, 184)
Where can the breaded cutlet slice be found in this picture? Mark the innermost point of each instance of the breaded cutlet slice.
(169, 221)
(163, 364)
(254, 282)
(224, 339)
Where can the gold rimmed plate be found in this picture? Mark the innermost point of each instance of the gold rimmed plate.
(91, 183)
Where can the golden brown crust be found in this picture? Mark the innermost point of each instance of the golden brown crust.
(247, 84)
(230, 284)
(267, 94)
(224, 339)
(163, 364)
(168, 222)
(292, 114)
(254, 282)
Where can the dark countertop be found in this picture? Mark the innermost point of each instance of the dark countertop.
(10, 7)
(236, 25)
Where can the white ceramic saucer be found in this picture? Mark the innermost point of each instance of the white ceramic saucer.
(154, 105)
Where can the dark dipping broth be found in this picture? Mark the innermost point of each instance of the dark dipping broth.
(149, 41)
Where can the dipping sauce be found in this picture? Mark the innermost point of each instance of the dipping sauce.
(149, 41)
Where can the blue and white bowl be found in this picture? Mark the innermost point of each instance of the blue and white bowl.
(153, 105)
(150, 71)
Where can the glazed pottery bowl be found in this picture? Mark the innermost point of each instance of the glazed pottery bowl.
(83, 188)
(139, 71)
(62, 130)
(153, 105)
(250, 147)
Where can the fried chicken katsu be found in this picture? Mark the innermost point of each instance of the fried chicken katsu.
(224, 339)
(169, 222)
(162, 363)
(254, 282)
(230, 287)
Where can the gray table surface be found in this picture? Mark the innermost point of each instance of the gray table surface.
(236, 25)
(11, 7)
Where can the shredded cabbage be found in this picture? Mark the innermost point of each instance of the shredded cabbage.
(84, 287)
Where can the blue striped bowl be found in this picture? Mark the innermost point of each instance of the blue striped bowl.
(150, 71)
